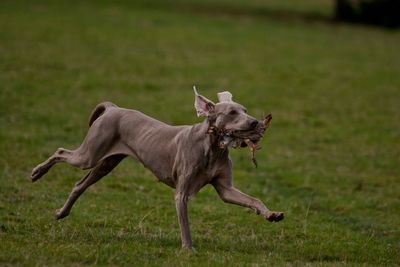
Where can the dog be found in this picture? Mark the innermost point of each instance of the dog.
(184, 157)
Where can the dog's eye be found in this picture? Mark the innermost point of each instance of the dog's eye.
(233, 112)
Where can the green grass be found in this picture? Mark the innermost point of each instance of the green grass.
(331, 158)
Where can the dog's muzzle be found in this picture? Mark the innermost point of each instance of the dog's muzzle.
(243, 138)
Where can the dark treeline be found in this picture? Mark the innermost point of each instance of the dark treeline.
(378, 12)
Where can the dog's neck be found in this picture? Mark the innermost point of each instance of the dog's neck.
(213, 140)
(219, 137)
(210, 137)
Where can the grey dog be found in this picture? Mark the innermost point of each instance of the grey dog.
(184, 157)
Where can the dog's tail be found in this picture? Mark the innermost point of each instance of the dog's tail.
(98, 110)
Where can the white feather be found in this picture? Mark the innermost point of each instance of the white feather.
(225, 96)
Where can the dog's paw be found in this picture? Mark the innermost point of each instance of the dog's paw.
(37, 172)
(59, 214)
(275, 216)
(189, 249)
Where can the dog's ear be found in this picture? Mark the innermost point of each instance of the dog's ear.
(203, 106)
(224, 96)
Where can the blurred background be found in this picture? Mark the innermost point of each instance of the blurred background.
(328, 71)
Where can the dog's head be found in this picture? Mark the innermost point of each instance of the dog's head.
(226, 114)
(230, 121)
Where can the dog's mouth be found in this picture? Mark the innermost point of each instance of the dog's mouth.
(246, 138)
(242, 138)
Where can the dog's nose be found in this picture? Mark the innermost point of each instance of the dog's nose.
(254, 123)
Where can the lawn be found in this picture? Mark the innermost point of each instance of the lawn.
(330, 159)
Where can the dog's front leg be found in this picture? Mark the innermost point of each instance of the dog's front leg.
(228, 193)
(181, 200)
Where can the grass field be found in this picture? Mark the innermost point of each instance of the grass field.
(330, 160)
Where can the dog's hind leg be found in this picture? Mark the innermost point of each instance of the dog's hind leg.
(74, 157)
(100, 142)
(101, 170)
(61, 155)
